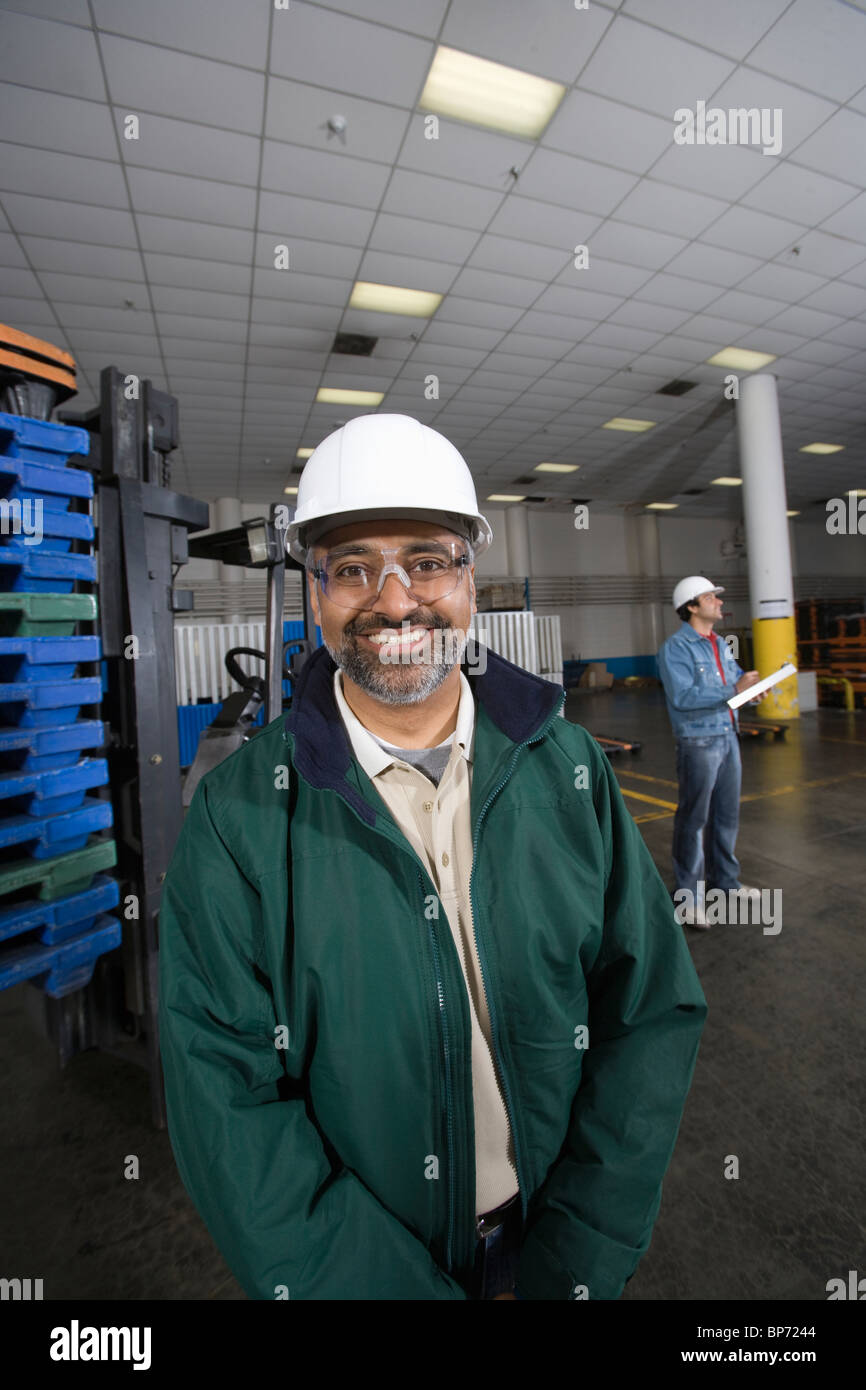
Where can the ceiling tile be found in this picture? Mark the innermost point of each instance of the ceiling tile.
(409, 272)
(74, 221)
(732, 29)
(754, 233)
(54, 58)
(471, 311)
(587, 187)
(59, 123)
(724, 171)
(173, 237)
(440, 200)
(850, 221)
(594, 128)
(644, 67)
(668, 209)
(607, 277)
(196, 273)
(838, 298)
(543, 223)
(497, 289)
(819, 45)
(349, 55)
(461, 152)
(802, 112)
(560, 299)
(76, 257)
(204, 302)
(314, 174)
(310, 257)
(617, 241)
(799, 194)
(432, 241)
(307, 217)
(94, 289)
(810, 323)
(299, 114)
(548, 39)
(142, 78)
(81, 180)
(826, 255)
(675, 292)
(197, 151)
(837, 148)
(215, 28)
(418, 16)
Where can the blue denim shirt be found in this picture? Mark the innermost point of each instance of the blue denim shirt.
(694, 690)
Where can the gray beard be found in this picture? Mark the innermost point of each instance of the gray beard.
(397, 683)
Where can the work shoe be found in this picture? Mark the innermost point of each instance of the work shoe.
(744, 892)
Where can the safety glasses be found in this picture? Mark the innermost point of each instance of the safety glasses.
(353, 575)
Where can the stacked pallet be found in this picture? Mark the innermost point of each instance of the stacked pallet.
(55, 895)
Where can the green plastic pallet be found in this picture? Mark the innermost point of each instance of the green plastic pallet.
(68, 873)
(44, 615)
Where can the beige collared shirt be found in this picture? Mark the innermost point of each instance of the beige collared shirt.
(437, 823)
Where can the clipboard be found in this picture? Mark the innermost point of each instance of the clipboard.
(760, 686)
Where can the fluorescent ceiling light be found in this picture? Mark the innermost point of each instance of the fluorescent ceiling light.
(620, 422)
(821, 449)
(741, 359)
(727, 482)
(303, 453)
(489, 94)
(392, 299)
(505, 497)
(556, 467)
(792, 513)
(661, 506)
(290, 490)
(333, 395)
(857, 492)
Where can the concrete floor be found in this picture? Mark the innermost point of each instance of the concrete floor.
(778, 1080)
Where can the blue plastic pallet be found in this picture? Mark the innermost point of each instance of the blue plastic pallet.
(46, 480)
(45, 658)
(52, 791)
(58, 528)
(42, 571)
(40, 441)
(50, 835)
(64, 917)
(49, 748)
(66, 966)
(40, 703)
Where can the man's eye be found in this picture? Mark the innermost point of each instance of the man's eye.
(349, 572)
(429, 566)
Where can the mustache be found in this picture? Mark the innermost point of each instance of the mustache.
(434, 621)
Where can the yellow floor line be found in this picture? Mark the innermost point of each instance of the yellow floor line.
(641, 796)
(645, 777)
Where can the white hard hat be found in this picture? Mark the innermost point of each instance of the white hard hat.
(691, 588)
(385, 466)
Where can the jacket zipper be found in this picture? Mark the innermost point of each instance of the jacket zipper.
(482, 960)
(449, 1111)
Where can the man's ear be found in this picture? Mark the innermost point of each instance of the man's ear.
(314, 598)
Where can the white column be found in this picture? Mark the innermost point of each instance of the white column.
(226, 516)
(517, 540)
(771, 587)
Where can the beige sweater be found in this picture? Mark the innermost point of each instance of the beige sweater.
(436, 822)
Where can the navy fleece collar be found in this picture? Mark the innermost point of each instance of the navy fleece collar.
(517, 702)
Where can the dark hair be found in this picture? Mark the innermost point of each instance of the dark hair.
(684, 610)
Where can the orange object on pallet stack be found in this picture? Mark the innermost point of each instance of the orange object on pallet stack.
(35, 376)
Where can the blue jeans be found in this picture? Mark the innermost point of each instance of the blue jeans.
(497, 1257)
(708, 814)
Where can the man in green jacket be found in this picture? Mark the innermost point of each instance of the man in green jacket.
(427, 1020)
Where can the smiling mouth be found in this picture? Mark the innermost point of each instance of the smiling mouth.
(391, 637)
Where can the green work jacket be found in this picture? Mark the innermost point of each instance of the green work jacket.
(314, 1018)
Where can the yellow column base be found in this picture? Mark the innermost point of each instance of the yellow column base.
(774, 641)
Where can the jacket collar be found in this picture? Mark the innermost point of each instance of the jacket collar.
(516, 701)
(691, 634)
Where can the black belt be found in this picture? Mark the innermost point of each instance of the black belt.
(491, 1221)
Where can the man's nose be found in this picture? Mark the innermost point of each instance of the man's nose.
(394, 597)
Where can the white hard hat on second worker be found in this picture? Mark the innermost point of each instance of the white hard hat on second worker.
(692, 587)
(379, 466)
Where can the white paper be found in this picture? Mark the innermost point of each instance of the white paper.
(760, 686)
